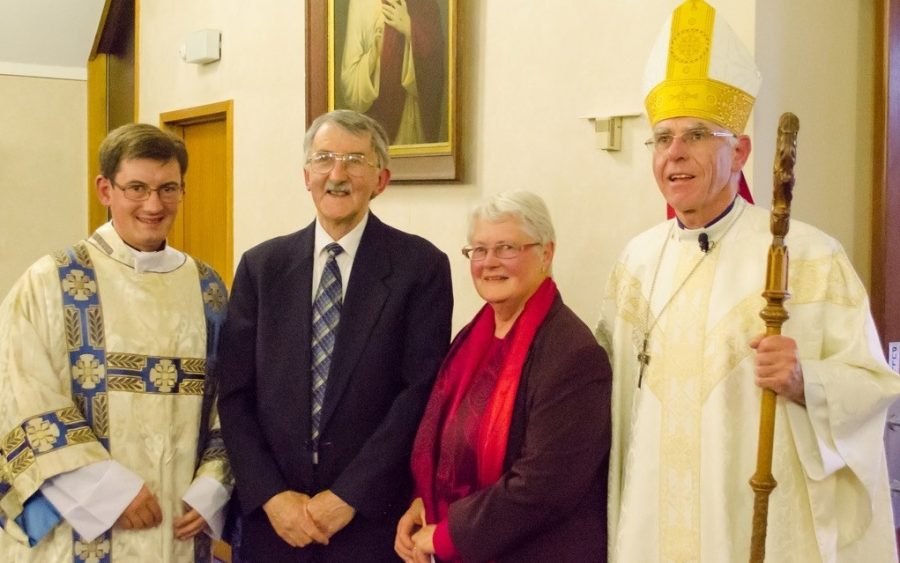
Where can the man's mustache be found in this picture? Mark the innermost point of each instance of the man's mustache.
(338, 188)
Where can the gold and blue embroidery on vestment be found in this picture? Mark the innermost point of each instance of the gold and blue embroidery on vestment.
(85, 339)
(95, 371)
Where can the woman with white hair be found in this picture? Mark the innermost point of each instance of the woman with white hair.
(511, 455)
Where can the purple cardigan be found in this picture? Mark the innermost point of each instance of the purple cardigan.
(550, 503)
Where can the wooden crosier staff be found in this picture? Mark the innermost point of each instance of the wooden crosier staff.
(774, 315)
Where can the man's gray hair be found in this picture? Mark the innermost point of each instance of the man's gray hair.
(355, 123)
(528, 208)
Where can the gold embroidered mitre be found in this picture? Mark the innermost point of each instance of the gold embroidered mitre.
(699, 68)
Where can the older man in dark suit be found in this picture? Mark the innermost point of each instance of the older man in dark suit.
(333, 338)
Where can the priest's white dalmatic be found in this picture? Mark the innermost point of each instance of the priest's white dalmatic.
(103, 360)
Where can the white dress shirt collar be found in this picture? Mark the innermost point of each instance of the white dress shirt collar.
(349, 242)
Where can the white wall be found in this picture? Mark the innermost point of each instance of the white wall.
(533, 70)
(43, 170)
(819, 64)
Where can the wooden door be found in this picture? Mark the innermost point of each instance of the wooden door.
(203, 227)
(886, 217)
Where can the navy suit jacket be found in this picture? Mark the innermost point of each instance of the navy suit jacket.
(393, 333)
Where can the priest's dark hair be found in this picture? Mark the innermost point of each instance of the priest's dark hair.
(140, 140)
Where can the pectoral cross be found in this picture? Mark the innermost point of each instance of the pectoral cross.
(644, 358)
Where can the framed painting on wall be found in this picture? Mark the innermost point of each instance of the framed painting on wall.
(394, 60)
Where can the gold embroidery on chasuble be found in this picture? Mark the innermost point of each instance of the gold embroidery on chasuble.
(193, 376)
(214, 296)
(16, 455)
(40, 435)
(96, 370)
(137, 373)
(88, 371)
(631, 305)
(72, 321)
(826, 279)
(13, 439)
(80, 403)
(131, 362)
(96, 336)
(727, 342)
(164, 375)
(82, 256)
(100, 403)
(677, 381)
(73, 324)
(93, 551)
(690, 360)
(61, 258)
(20, 463)
(78, 285)
(216, 450)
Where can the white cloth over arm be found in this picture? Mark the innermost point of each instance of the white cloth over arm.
(93, 497)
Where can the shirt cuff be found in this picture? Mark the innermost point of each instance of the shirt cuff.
(443, 543)
(209, 498)
(91, 498)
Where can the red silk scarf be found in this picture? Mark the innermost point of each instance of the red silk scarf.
(453, 382)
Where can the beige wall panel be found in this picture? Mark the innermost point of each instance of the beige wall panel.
(531, 72)
(819, 64)
(42, 170)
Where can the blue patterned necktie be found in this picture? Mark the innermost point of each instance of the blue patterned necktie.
(326, 315)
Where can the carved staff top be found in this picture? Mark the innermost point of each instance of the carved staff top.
(783, 173)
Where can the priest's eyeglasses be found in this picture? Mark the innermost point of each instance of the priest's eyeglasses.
(692, 137)
(503, 251)
(137, 191)
(355, 164)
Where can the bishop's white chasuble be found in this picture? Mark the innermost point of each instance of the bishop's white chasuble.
(685, 442)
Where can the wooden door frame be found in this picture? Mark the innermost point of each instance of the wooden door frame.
(173, 120)
(886, 194)
(117, 28)
(97, 129)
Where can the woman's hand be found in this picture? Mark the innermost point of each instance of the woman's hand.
(410, 524)
(424, 543)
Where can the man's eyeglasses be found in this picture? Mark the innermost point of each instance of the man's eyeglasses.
(355, 164)
(503, 251)
(690, 138)
(137, 191)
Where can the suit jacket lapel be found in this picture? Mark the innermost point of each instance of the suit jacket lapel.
(293, 313)
(366, 295)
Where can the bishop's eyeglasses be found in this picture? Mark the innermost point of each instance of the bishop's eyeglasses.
(138, 191)
(692, 137)
(355, 164)
(503, 251)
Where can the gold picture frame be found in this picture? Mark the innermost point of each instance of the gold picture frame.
(372, 73)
